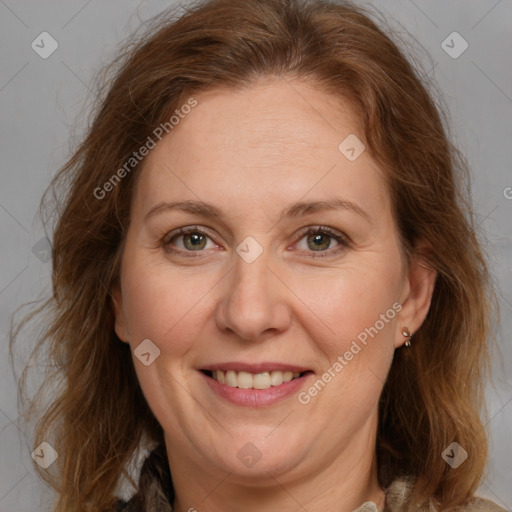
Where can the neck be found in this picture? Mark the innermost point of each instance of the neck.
(341, 484)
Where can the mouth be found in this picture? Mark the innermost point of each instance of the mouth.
(248, 380)
(255, 384)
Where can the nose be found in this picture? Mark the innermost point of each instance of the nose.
(254, 302)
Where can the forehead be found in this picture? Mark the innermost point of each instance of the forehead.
(266, 144)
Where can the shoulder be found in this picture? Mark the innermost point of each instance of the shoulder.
(481, 505)
(398, 493)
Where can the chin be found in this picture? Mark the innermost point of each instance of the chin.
(260, 453)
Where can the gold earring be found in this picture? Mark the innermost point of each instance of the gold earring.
(407, 334)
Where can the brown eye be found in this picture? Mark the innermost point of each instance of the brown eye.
(319, 241)
(188, 240)
(194, 241)
(323, 241)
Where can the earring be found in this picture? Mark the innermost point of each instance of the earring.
(407, 334)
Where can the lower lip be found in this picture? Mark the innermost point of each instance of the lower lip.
(256, 397)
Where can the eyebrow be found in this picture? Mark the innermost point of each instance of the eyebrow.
(295, 210)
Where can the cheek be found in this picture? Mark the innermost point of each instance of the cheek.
(356, 304)
(164, 305)
(350, 298)
(353, 328)
(172, 306)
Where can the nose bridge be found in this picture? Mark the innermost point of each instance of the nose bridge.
(253, 300)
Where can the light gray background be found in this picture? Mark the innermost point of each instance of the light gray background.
(41, 105)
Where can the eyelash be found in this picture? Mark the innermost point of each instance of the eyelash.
(343, 240)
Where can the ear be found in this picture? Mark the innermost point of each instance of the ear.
(120, 322)
(415, 297)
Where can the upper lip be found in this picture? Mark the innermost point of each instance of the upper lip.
(255, 367)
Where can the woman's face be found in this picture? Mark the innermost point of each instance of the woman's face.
(248, 288)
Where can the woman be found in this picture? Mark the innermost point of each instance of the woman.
(266, 272)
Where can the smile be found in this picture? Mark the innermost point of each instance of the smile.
(247, 380)
(255, 385)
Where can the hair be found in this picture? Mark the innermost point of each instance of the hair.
(434, 393)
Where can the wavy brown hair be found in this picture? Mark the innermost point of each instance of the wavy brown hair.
(434, 395)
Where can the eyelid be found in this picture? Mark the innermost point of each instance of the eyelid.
(184, 231)
(325, 229)
(343, 240)
(340, 237)
(176, 233)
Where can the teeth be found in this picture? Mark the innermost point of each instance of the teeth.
(246, 380)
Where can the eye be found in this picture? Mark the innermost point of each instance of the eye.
(322, 239)
(190, 239)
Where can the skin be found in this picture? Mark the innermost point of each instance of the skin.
(252, 153)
